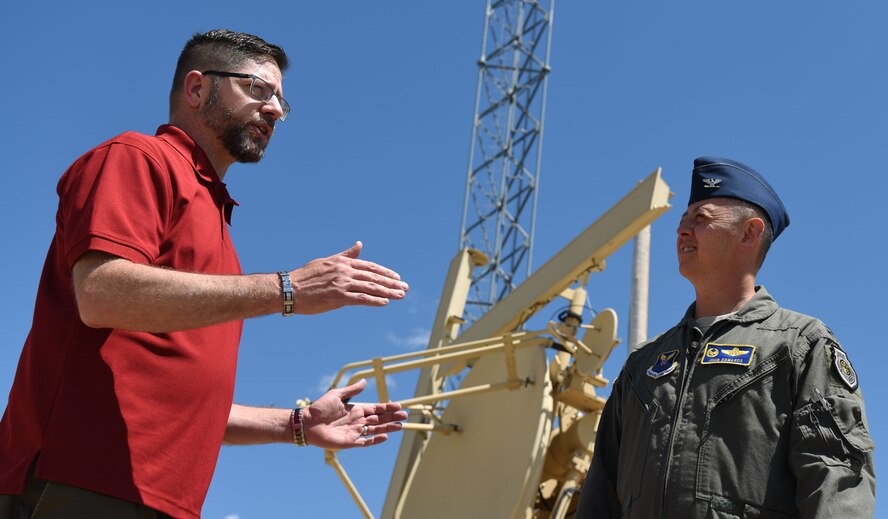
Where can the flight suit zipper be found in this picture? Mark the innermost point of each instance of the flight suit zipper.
(686, 374)
(685, 379)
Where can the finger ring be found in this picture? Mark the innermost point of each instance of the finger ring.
(365, 431)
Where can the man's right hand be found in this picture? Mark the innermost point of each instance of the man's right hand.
(113, 292)
(343, 280)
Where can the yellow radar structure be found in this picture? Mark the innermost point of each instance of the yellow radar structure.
(515, 439)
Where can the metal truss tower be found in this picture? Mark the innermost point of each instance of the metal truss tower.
(507, 138)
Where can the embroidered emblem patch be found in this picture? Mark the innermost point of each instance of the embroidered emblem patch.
(740, 354)
(711, 183)
(665, 365)
(843, 366)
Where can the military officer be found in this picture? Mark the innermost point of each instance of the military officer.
(744, 408)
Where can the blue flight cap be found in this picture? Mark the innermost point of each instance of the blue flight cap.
(716, 177)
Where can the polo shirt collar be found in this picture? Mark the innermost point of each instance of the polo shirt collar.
(186, 147)
(203, 168)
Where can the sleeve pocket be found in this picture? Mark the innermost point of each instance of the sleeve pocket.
(835, 431)
(847, 417)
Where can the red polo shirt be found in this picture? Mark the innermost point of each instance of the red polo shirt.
(139, 416)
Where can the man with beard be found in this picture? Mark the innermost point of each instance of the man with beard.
(743, 409)
(123, 393)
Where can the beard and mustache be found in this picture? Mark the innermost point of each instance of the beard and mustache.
(236, 136)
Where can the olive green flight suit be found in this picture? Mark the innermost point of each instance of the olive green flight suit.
(754, 419)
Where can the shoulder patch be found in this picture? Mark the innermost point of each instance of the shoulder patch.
(844, 368)
(665, 365)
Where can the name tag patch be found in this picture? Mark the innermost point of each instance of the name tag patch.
(739, 354)
(665, 365)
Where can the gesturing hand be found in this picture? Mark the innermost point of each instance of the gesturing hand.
(332, 424)
(342, 279)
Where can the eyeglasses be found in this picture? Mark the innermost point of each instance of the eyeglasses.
(259, 88)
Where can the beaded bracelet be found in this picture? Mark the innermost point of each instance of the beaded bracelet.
(298, 429)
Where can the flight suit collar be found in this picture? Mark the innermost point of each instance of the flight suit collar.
(758, 308)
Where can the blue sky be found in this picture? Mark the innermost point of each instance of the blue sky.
(376, 149)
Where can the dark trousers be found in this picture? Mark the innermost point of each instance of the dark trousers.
(52, 500)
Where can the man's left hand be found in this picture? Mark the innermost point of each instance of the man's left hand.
(331, 423)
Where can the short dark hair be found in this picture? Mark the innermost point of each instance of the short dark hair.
(744, 210)
(223, 49)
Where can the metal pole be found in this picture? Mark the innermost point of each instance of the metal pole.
(638, 306)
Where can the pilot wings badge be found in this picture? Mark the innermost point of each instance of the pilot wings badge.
(665, 365)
